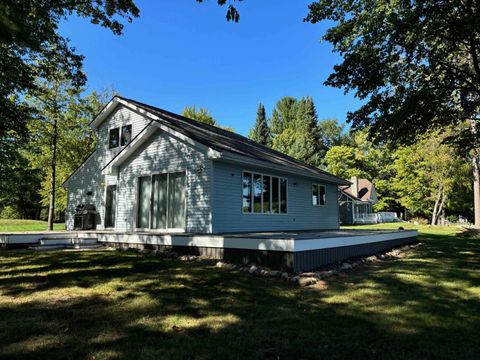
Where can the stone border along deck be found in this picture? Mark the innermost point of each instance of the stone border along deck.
(303, 279)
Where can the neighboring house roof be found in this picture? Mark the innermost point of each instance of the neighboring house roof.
(365, 191)
(223, 141)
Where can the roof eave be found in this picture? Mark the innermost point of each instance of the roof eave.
(231, 157)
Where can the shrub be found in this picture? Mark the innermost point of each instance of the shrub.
(9, 212)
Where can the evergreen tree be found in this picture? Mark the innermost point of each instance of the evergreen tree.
(284, 115)
(307, 146)
(261, 131)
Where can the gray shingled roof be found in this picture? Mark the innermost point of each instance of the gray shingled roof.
(223, 140)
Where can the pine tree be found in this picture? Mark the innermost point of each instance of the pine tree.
(261, 131)
(284, 115)
(307, 145)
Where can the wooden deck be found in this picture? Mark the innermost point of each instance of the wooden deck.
(290, 250)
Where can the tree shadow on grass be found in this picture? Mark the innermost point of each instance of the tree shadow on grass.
(130, 305)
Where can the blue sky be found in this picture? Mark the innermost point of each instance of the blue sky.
(180, 53)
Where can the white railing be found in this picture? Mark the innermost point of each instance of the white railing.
(375, 218)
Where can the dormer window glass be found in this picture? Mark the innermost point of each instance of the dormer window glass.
(126, 135)
(120, 136)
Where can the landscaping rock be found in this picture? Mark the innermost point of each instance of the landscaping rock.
(308, 274)
(220, 264)
(356, 263)
(346, 266)
(285, 276)
(306, 281)
(294, 279)
(275, 273)
(253, 270)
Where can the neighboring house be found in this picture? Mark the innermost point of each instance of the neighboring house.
(155, 171)
(356, 202)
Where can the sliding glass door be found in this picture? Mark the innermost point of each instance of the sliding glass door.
(161, 201)
(176, 201)
(144, 193)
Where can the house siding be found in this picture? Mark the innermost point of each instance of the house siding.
(88, 177)
(163, 153)
(227, 215)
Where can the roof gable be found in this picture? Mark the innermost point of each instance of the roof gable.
(219, 140)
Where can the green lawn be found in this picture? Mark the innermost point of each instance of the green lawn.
(110, 305)
(8, 225)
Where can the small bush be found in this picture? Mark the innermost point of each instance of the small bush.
(452, 218)
(419, 220)
(9, 212)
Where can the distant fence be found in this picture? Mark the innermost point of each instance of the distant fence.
(375, 218)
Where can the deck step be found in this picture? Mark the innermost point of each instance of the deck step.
(68, 241)
(87, 246)
(48, 247)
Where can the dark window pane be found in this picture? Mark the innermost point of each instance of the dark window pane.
(275, 195)
(144, 195)
(126, 134)
(322, 195)
(110, 206)
(257, 193)
(114, 139)
(247, 192)
(315, 194)
(266, 194)
(283, 196)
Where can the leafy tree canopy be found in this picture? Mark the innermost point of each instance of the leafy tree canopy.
(232, 12)
(29, 37)
(201, 115)
(416, 64)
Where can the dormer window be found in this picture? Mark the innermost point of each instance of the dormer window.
(120, 136)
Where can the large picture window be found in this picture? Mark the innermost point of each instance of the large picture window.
(263, 194)
(318, 195)
(161, 201)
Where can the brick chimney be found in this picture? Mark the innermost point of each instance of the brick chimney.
(354, 187)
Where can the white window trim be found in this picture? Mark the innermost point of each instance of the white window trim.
(318, 195)
(137, 203)
(261, 198)
(120, 131)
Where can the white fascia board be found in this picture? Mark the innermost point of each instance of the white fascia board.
(252, 162)
(105, 112)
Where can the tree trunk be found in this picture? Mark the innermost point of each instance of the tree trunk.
(51, 208)
(436, 206)
(476, 191)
